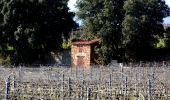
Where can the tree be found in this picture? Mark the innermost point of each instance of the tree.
(167, 36)
(102, 19)
(141, 25)
(167, 30)
(33, 28)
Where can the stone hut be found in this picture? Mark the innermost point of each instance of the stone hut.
(82, 53)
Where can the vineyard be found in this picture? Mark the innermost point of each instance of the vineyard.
(142, 81)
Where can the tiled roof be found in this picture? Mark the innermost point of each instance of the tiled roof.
(85, 42)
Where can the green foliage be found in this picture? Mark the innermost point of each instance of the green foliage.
(167, 35)
(142, 23)
(102, 19)
(167, 31)
(160, 44)
(66, 45)
(126, 27)
(34, 27)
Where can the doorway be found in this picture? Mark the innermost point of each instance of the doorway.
(80, 61)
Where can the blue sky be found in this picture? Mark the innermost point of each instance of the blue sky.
(71, 4)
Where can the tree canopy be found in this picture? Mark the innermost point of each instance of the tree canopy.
(127, 28)
(142, 26)
(33, 28)
(102, 19)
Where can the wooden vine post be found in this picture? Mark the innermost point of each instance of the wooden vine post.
(7, 91)
(88, 93)
(69, 88)
(149, 90)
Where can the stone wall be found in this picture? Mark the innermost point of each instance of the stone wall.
(62, 58)
(86, 51)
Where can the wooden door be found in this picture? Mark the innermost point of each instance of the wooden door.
(80, 61)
